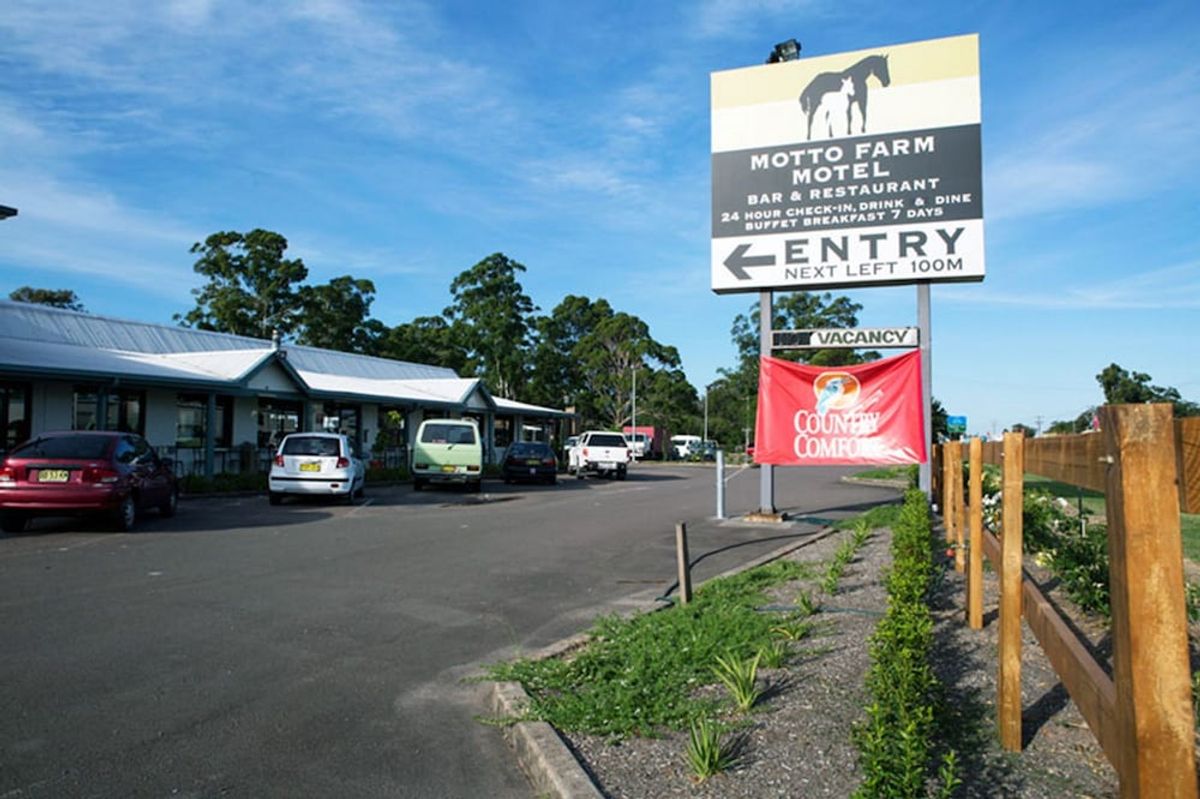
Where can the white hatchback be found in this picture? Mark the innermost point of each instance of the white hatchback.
(316, 464)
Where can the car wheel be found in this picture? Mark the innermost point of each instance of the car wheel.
(274, 498)
(418, 484)
(13, 522)
(552, 480)
(125, 514)
(620, 474)
(362, 489)
(476, 486)
(170, 504)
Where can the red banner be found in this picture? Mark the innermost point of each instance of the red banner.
(825, 415)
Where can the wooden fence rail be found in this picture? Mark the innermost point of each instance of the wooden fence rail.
(1142, 716)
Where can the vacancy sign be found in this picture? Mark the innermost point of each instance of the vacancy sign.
(849, 170)
(817, 416)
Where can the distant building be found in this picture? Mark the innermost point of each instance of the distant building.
(216, 402)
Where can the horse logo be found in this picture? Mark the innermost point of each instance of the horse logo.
(835, 391)
(829, 92)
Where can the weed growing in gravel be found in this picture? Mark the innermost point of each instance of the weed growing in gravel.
(640, 674)
(807, 604)
(707, 751)
(844, 555)
(792, 629)
(773, 654)
(740, 677)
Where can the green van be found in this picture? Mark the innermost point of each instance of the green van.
(447, 451)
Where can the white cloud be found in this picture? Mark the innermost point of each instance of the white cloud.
(1170, 287)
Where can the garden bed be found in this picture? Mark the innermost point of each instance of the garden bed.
(799, 738)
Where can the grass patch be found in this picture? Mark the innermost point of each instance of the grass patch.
(639, 675)
(908, 473)
(1093, 501)
(1093, 505)
(1189, 525)
(878, 516)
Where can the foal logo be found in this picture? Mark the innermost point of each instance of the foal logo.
(836, 391)
(830, 95)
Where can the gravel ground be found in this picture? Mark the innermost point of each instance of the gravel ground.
(798, 743)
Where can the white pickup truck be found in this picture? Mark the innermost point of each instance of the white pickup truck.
(599, 452)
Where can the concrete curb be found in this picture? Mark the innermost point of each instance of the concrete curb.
(542, 753)
(898, 483)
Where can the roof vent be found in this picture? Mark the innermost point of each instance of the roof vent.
(276, 339)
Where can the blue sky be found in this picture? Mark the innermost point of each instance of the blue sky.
(405, 141)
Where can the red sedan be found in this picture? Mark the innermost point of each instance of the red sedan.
(116, 475)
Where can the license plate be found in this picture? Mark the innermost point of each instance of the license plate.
(608, 465)
(532, 462)
(53, 475)
(447, 468)
(533, 471)
(310, 467)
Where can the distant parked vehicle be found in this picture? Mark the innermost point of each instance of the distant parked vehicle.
(644, 440)
(639, 445)
(116, 475)
(316, 464)
(600, 452)
(683, 447)
(529, 461)
(448, 451)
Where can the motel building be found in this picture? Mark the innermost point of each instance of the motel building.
(218, 403)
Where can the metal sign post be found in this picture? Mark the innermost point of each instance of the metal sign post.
(766, 477)
(925, 470)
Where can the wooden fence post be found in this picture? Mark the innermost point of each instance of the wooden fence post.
(1149, 620)
(975, 547)
(1008, 702)
(684, 563)
(947, 494)
(960, 515)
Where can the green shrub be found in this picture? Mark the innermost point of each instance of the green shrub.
(894, 741)
(381, 474)
(223, 483)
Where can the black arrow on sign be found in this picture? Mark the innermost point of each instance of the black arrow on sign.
(738, 261)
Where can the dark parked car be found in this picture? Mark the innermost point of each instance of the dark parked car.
(530, 461)
(116, 475)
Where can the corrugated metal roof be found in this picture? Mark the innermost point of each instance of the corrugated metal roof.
(512, 406)
(40, 339)
(50, 357)
(441, 390)
(28, 321)
(23, 320)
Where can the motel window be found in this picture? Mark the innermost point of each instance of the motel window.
(277, 418)
(125, 411)
(192, 415)
(337, 418)
(14, 414)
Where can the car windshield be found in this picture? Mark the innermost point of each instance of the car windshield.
(311, 445)
(448, 434)
(80, 447)
(528, 449)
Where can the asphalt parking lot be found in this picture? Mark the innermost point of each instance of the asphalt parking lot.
(311, 649)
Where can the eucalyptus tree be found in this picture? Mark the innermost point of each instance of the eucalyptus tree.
(252, 289)
(55, 298)
(491, 318)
